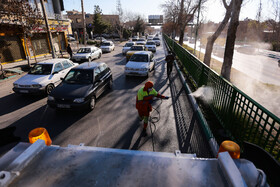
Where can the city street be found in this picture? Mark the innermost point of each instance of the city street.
(113, 123)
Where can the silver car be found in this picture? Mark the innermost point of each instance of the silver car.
(87, 54)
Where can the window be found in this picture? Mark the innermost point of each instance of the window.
(58, 67)
(102, 67)
(66, 64)
(96, 73)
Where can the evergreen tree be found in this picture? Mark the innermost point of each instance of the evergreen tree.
(99, 26)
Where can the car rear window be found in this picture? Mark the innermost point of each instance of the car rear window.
(84, 50)
(79, 76)
(139, 58)
(128, 44)
(136, 48)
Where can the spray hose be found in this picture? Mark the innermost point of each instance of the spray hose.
(153, 120)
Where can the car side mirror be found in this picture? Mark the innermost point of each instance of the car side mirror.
(61, 78)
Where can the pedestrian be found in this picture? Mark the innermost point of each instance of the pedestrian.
(144, 99)
(169, 59)
(69, 50)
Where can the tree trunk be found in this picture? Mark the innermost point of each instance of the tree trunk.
(211, 40)
(181, 37)
(231, 36)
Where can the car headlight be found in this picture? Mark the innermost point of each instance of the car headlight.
(36, 85)
(50, 98)
(16, 85)
(79, 100)
(144, 69)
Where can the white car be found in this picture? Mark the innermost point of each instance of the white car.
(140, 64)
(141, 41)
(44, 76)
(157, 41)
(127, 47)
(87, 54)
(151, 46)
(107, 46)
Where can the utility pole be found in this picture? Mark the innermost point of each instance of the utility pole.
(83, 19)
(48, 28)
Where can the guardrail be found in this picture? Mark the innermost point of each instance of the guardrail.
(243, 118)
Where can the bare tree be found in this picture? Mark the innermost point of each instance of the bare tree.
(230, 41)
(186, 14)
(22, 14)
(211, 39)
(119, 24)
(171, 11)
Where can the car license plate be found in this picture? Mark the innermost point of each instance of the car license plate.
(23, 91)
(63, 106)
(78, 59)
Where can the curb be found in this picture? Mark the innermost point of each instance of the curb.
(8, 78)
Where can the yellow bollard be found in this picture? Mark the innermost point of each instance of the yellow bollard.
(39, 133)
(231, 147)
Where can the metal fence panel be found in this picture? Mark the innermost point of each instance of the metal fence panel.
(242, 117)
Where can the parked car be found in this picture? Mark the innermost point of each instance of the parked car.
(43, 77)
(127, 47)
(141, 41)
(134, 49)
(87, 54)
(71, 39)
(140, 64)
(81, 87)
(99, 39)
(157, 41)
(107, 46)
(247, 49)
(151, 46)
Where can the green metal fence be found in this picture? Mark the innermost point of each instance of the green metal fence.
(243, 118)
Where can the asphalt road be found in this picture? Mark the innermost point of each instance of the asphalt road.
(113, 123)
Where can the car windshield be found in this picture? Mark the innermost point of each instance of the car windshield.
(128, 44)
(156, 39)
(77, 76)
(141, 39)
(136, 48)
(139, 58)
(41, 69)
(105, 44)
(84, 50)
(150, 43)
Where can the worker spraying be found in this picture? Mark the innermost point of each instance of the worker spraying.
(144, 99)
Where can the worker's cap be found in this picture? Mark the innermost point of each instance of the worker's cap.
(149, 84)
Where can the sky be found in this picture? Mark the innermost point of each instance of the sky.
(214, 11)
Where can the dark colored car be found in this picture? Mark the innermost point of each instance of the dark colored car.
(81, 87)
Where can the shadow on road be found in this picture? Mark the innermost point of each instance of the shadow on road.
(18, 102)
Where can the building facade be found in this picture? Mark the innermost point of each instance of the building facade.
(17, 43)
(77, 24)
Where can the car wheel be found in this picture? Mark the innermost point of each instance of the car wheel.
(49, 88)
(99, 56)
(111, 84)
(92, 103)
